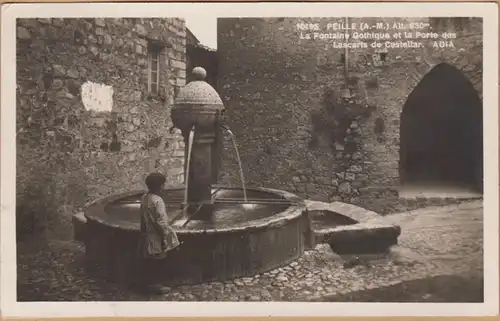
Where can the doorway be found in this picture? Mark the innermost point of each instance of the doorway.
(441, 134)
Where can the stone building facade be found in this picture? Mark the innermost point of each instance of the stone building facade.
(325, 122)
(93, 99)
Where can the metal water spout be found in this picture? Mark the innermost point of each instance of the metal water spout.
(199, 106)
(227, 130)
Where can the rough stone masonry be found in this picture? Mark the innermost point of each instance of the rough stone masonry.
(283, 96)
(76, 144)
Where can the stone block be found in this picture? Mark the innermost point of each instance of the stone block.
(45, 21)
(178, 64)
(100, 22)
(139, 49)
(364, 240)
(350, 176)
(136, 95)
(344, 188)
(142, 42)
(58, 22)
(140, 30)
(57, 84)
(73, 73)
(23, 33)
(108, 40)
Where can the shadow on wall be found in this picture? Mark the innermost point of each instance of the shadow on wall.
(441, 134)
(334, 121)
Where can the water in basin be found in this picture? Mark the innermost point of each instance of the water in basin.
(126, 210)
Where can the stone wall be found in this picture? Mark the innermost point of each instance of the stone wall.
(296, 131)
(77, 143)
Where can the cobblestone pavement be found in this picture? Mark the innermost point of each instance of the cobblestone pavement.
(434, 241)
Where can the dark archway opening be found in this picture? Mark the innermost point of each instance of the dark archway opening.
(441, 134)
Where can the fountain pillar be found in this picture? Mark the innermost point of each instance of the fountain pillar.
(199, 108)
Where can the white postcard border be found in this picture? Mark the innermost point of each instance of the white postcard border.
(200, 11)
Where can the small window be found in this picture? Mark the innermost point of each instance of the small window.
(154, 69)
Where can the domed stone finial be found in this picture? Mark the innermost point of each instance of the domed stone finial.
(199, 73)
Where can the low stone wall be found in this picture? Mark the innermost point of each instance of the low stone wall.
(387, 201)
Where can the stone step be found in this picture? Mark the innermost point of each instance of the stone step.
(436, 194)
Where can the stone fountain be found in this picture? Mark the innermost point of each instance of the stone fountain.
(226, 232)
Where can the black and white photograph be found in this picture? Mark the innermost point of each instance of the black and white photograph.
(246, 153)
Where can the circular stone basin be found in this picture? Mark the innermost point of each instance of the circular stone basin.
(241, 240)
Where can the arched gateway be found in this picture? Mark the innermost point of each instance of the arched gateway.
(441, 134)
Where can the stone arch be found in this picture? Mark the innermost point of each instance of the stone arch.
(441, 135)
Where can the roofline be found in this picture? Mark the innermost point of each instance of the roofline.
(192, 34)
(203, 47)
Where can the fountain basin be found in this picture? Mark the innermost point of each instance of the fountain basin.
(239, 242)
(350, 229)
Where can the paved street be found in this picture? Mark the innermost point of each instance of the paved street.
(449, 238)
(434, 241)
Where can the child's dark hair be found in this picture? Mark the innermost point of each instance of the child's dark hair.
(155, 181)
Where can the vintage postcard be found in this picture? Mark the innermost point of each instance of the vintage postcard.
(249, 159)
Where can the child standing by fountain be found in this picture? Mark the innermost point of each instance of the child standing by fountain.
(157, 237)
